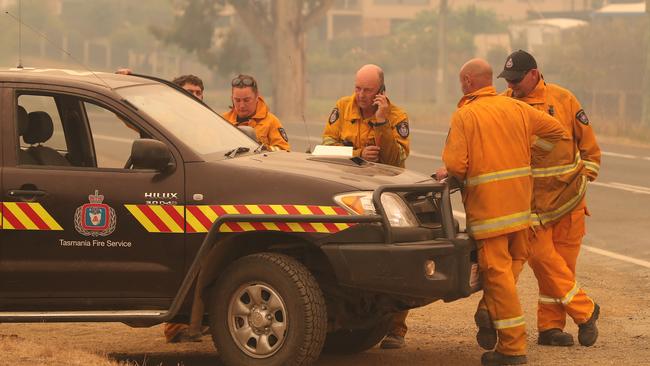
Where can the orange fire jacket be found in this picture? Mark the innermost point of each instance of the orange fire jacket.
(560, 178)
(347, 127)
(488, 147)
(267, 126)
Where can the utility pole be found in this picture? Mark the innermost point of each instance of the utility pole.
(645, 111)
(441, 77)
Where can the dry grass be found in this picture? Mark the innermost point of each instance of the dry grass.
(16, 351)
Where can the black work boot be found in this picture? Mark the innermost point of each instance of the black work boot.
(486, 335)
(555, 337)
(587, 331)
(494, 358)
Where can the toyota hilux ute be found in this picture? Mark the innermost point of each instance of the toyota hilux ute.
(126, 200)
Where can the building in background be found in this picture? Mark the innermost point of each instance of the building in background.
(375, 18)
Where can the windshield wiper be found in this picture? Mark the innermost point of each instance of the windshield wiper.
(232, 153)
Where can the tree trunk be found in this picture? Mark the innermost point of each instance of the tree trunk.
(287, 61)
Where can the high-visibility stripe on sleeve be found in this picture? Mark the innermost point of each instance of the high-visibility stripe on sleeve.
(330, 141)
(542, 218)
(509, 323)
(499, 223)
(557, 170)
(498, 176)
(590, 165)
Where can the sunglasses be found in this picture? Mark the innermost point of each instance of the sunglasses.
(519, 79)
(243, 81)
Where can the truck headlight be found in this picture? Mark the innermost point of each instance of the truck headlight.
(360, 203)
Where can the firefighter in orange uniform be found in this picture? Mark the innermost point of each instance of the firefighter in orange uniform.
(378, 131)
(249, 109)
(559, 209)
(488, 148)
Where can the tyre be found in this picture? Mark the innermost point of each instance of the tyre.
(267, 309)
(350, 341)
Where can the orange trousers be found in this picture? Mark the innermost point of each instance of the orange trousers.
(554, 252)
(398, 324)
(500, 261)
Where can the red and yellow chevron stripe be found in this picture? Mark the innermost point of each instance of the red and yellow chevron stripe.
(199, 218)
(26, 216)
(159, 218)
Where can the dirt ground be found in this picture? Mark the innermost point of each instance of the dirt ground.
(439, 334)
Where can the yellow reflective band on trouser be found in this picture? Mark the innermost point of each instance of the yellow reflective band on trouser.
(544, 144)
(499, 223)
(543, 218)
(590, 165)
(509, 323)
(497, 176)
(564, 300)
(557, 170)
(330, 141)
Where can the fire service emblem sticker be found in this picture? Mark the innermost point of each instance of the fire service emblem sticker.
(95, 218)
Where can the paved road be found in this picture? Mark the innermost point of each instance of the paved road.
(619, 201)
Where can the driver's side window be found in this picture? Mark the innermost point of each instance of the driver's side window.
(112, 135)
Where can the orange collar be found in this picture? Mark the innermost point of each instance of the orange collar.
(537, 95)
(483, 92)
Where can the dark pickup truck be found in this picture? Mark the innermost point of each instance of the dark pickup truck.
(126, 200)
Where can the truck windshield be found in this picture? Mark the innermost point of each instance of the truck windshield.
(194, 124)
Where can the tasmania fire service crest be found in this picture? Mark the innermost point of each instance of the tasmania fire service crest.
(95, 218)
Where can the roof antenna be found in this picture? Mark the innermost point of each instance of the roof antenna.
(20, 35)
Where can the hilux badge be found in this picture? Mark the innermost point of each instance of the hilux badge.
(95, 218)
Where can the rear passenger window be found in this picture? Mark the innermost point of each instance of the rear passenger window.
(42, 108)
(65, 130)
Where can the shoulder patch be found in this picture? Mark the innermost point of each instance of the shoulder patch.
(403, 128)
(581, 116)
(334, 116)
(283, 133)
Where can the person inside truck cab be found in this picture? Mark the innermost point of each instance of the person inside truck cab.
(249, 109)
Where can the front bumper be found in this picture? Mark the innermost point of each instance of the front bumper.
(399, 268)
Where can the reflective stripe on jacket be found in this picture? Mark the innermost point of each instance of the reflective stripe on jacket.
(488, 147)
(559, 176)
(267, 126)
(347, 127)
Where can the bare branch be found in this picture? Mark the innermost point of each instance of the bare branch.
(311, 19)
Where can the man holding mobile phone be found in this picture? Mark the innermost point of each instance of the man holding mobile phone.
(377, 130)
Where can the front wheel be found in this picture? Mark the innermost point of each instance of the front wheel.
(267, 309)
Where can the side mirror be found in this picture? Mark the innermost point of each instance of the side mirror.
(150, 154)
(249, 131)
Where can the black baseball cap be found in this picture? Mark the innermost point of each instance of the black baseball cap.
(517, 64)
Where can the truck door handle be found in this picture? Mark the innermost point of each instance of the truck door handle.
(26, 193)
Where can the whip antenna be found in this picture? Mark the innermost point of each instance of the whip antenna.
(40, 34)
(20, 35)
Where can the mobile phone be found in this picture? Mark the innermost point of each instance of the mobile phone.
(382, 90)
